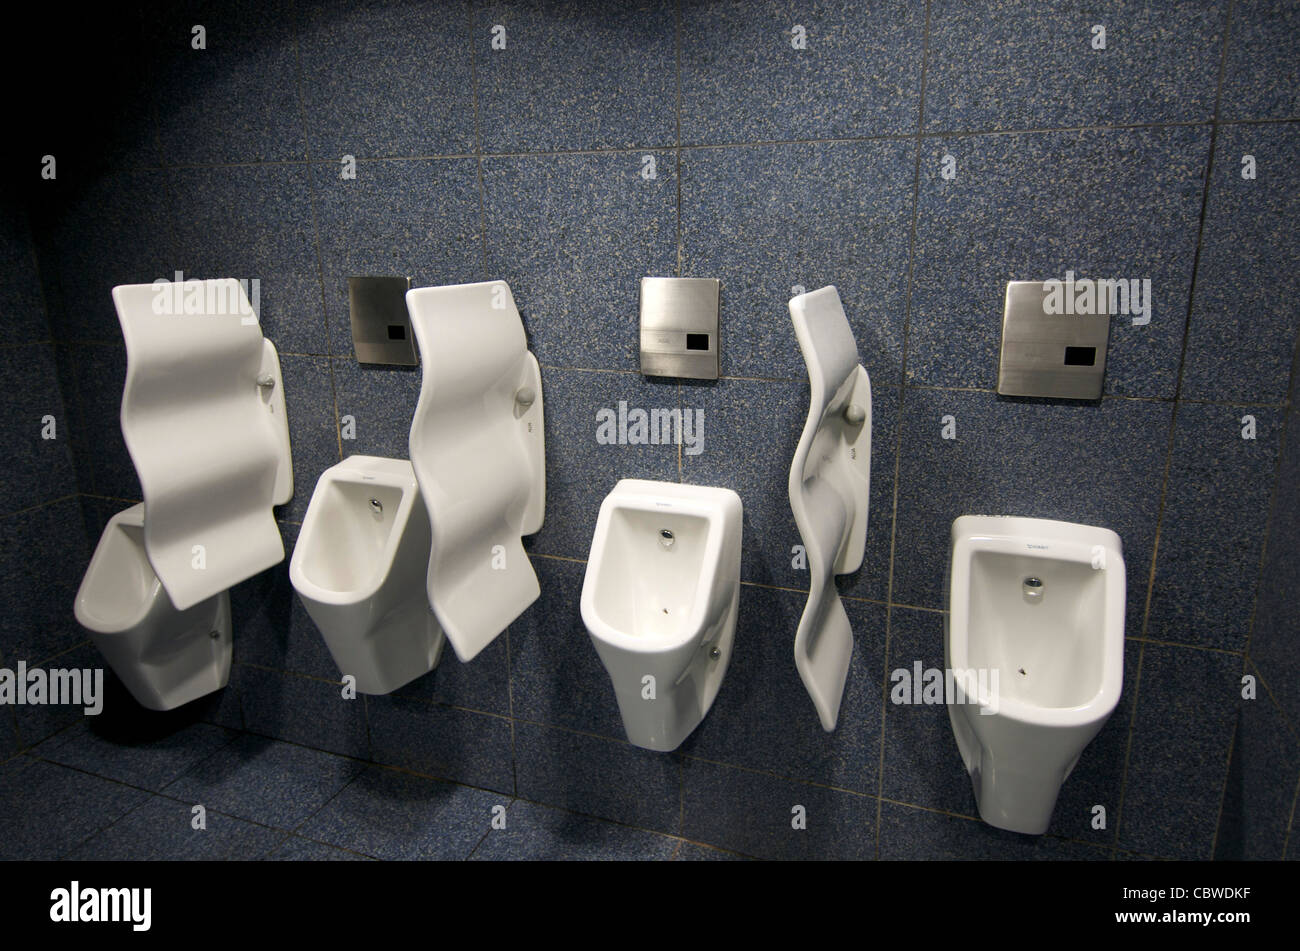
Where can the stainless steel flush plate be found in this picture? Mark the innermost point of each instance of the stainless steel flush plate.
(1050, 354)
(679, 327)
(381, 327)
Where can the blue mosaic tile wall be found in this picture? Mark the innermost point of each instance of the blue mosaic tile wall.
(916, 155)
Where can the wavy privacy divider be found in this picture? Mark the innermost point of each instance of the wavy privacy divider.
(204, 420)
(830, 481)
(479, 456)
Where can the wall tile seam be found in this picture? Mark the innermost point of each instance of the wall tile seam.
(1292, 728)
(40, 505)
(1207, 177)
(685, 146)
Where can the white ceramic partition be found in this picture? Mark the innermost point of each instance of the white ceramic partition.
(830, 480)
(478, 451)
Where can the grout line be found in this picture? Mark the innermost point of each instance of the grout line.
(320, 255)
(701, 146)
(1187, 329)
(898, 417)
(1173, 428)
(40, 505)
(478, 145)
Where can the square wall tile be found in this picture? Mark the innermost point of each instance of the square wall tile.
(375, 408)
(556, 676)
(573, 235)
(582, 464)
(441, 741)
(302, 710)
(94, 231)
(918, 834)
(1095, 464)
(43, 553)
(1263, 775)
(763, 718)
(777, 70)
(1187, 708)
(162, 830)
(767, 218)
(386, 79)
(922, 764)
(313, 429)
(747, 441)
(419, 219)
(757, 814)
(37, 469)
(603, 778)
(1016, 64)
(1242, 332)
(554, 76)
(255, 223)
(536, 833)
(1108, 204)
(1214, 524)
(236, 99)
(396, 816)
(1263, 72)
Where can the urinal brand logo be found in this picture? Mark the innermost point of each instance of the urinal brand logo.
(1102, 296)
(188, 297)
(76, 904)
(54, 687)
(654, 427)
(923, 685)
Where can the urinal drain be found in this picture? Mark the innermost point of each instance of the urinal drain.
(666, 538)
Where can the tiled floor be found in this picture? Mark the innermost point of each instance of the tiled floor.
(82, 796)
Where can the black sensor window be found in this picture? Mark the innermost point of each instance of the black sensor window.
(697, 341)
(398, 332)
(1080, 356)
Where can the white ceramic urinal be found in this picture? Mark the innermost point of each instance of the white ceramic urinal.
(164, 656)
(660, 601)
(359, 567)
(203, 417)
(830, 479)
(1034, 636)
(479, 456)
(204, 420)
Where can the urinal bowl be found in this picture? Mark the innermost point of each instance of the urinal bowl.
(660, 601)
(359, 567)
(164, 656)
(1049, 655)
